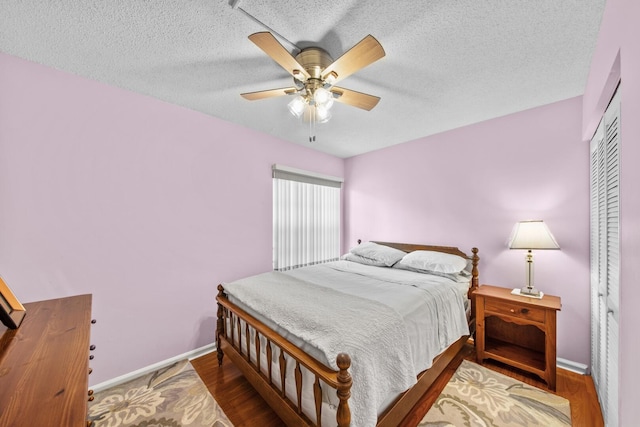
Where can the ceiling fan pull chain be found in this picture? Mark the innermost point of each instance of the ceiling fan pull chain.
(312, 124)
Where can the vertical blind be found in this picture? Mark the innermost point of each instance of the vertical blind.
(306, 218)
(605, 260)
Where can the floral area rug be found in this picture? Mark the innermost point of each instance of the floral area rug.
(478, 397)
(173, 396)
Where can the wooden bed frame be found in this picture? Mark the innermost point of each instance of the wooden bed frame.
(230, 342)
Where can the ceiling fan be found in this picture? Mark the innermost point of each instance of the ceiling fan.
(314, 75)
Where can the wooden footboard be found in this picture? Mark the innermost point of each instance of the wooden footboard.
(230, 341)
(239, 335)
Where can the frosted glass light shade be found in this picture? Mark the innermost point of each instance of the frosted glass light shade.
(323, 97)
(296, 106)
(532, 235)
(322, 114)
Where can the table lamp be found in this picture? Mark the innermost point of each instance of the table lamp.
(531, 235)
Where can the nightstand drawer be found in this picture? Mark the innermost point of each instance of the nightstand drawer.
(514, 310)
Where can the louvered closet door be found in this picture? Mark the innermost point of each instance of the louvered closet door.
(605, 260)
(598, 354)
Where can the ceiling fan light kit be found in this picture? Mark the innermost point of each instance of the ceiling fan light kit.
(314, 75)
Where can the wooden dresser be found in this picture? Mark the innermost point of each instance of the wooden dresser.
(44, 365)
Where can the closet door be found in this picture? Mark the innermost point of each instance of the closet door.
(605, 260)
(598, 354)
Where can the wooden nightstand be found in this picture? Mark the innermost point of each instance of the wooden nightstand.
(517, 330)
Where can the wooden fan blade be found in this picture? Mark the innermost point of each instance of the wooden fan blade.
(272, 47)
(355, 99)
(254, 96)
(365, 52)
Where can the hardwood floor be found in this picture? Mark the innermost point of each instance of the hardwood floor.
(244, 406)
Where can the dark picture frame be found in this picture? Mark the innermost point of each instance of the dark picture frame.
(11, 311)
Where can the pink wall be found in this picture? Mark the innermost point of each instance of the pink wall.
(619, 35)
(469, 186)
(146, 205)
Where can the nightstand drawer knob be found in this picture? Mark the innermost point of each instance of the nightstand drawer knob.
(524, 310)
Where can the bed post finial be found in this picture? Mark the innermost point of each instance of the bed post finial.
(475, 259)
(343, 416)
(220, 325)
(474, 270)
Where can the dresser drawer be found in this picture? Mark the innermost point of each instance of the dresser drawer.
(513, 309)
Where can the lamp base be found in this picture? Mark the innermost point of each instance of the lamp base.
(530, 291)
(517, 291)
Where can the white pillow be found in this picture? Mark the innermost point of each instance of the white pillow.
(362, 260)
(384, 254)
(461, 277)
(438, 262)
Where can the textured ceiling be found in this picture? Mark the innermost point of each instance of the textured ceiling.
(447, 64)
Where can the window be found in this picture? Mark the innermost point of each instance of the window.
(306, 218)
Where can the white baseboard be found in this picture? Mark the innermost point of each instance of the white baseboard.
(570, 365)
(193, 354)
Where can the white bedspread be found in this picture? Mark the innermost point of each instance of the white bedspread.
(398, 322)
(431, 306)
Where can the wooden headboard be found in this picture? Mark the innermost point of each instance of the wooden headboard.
(410, 247)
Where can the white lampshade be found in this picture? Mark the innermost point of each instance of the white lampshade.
(532, 235)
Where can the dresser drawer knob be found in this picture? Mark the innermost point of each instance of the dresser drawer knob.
(90, 392)
(524, 310)
(91, 357)
(92, 347)
(91, 398)
(93, 321)
(90, 370)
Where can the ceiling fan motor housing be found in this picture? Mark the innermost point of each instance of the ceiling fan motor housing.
(314, 60)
